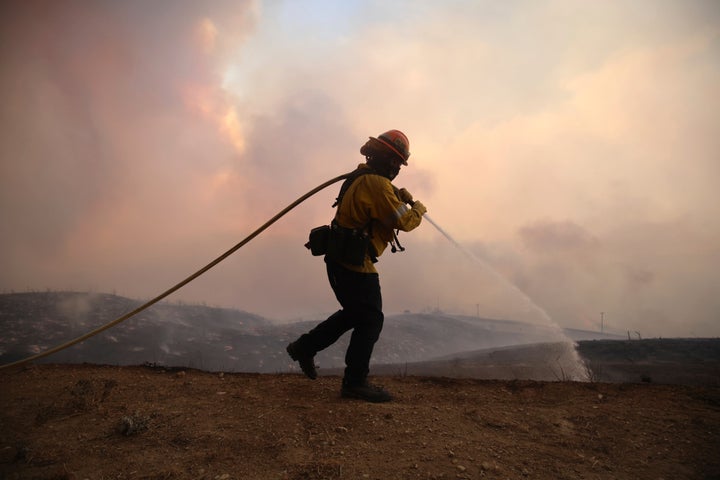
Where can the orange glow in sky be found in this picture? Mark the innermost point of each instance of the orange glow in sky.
(571, 145)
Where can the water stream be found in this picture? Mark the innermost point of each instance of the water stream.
(571, 365)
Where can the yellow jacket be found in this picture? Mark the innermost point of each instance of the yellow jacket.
(372, 197)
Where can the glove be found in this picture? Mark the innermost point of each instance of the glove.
(404, 196)
(419, 207)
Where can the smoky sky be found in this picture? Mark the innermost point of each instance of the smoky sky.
(570, 147)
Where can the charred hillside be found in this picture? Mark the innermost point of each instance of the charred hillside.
(217, 339)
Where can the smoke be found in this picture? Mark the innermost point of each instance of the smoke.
(571, 148)
(99, 146)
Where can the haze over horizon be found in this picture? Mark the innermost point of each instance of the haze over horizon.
(571, 145)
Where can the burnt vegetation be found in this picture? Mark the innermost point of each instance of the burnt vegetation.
(177, 335)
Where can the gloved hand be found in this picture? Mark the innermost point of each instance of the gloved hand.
(419, 207)
(404, 196)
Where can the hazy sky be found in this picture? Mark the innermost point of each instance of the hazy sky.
(572, 146)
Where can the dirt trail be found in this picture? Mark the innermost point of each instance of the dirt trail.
(78, 422)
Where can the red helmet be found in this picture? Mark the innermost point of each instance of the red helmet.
(396, 141)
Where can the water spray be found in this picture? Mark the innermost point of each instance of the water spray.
(579, 371)
(486, 266)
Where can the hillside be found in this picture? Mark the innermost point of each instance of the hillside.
(208, 338)
(678, 361)
(216, 339)
(76, 422)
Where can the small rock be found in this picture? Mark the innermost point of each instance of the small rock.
(130, 425)
(460, 468)
(8, 454)
(180, 374)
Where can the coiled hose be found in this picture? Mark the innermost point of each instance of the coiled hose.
(178, 286)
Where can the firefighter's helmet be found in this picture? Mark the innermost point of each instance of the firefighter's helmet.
(397, 142)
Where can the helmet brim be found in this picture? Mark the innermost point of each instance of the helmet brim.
(395, 150)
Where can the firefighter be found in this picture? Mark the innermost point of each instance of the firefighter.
(369, 210)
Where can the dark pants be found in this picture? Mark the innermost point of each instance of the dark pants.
(361, 301)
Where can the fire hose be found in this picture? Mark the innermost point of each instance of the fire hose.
(181, 284)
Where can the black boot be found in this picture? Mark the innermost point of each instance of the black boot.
(307, 362)
(365, 391)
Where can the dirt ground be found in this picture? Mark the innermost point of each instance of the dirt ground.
(96, 422)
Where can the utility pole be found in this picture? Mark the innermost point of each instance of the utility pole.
(602, 322)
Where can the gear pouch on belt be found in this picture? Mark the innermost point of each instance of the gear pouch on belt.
(348, 245)
(318, 240)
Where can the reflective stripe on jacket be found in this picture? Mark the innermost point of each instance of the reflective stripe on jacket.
(372, 197)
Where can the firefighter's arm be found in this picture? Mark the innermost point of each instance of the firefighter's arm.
(406, 197)
(394, 213)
